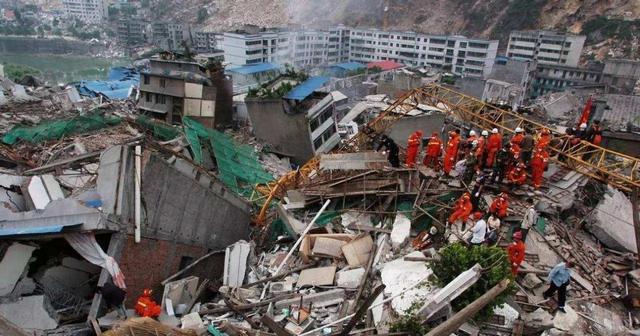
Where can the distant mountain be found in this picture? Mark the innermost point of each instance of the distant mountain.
(613, 26)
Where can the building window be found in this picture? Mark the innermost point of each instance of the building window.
(161, 99)
(163, 83)
(148, 97)
(146, 79)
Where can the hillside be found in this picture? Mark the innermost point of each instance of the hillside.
(608, 22)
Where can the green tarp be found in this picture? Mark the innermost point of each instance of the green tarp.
(58, 129)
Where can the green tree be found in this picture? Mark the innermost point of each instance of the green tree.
(457, 258)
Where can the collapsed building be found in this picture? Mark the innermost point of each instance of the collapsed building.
(339, 244)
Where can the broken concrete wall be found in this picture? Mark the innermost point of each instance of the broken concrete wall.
(181, 210)
(428, 124)
(611, 221)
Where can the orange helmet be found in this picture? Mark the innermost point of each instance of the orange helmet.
(147, 292)
(477, 215)
(434, 134)
(419, 134)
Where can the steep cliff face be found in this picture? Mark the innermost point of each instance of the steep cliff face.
(609, 23)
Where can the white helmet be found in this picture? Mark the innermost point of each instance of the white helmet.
(472, 133)
(583, 126)
(518, 130)
(474, 143)
(494, 131)
(485, 133)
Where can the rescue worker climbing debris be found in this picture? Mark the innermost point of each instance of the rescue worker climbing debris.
(461, 209)
(500, 206)
(538, 165)
(413, 146)
(516, 252)
(494, 143)
(433, 152)
(451, 152)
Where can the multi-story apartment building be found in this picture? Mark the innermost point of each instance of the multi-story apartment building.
(246, 48)
(546, 47)
(131, 31)
(205, 41)
(88, 11)
(308, 48)
(457, 54)
(169, 36)
(556, 78)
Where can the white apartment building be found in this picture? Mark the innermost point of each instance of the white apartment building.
(457, 54)
(304, 48)
(88, 11)
(242, 48)
(546, 47)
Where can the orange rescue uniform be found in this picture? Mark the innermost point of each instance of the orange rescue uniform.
(451, 152)
(433, 152)
(494, 143)
(538, 164)
(461, 209)
(517, 175)
(516, 252)
(499, 206)
(413, 145)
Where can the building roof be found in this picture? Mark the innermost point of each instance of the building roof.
(306, 88)
(117, 86)
(385, 65)
(254, 68)
(622, 112)
(349, 66)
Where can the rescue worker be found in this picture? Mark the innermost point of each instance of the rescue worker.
(538, 165)
(544, 140)
(516, 251)
(481, 150)
(494, 143)
(451, 153)
(594, 133)
(146, 306)
(582, 131)
(517, 176)
(391, 148)
(468, 144)
(504, 159)
(500, 206)
(433, 151)
(461, 209)
(526, 145)
(471, 164)
(413, 145)
(517, 138)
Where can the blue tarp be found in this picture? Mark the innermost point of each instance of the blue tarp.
(304, 89)
(349, 66)
(116, 87)
(254, 68)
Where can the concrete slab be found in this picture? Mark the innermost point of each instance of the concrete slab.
(353, 161)
(332, 295)
(41, 190)
(29, 313)
(566, 321)
(179, 292)
(350, 278)
(357, 251)
(23, 287)
(540, 318)
(610, 322)
(611, 222)
(319, 276)
(235, 263)
(328, 247)
(398, 274)
(191, 321)
(12, 266)
(401, 231)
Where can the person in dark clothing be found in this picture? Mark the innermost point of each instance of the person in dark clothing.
(504, 158)
(476, 193)
(526, 146)
(392, 150)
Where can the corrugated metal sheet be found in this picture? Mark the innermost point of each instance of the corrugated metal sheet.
(349, 66)
(306, 88)
(254, 68)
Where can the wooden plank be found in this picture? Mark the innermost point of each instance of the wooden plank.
(273, 326)
(582, 281)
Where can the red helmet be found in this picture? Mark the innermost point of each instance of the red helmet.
(147, 292)
(434, 134)
(478, 214)
(517, 235)
(419, 134)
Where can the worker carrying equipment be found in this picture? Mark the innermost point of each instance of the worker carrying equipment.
(433, 152)
(494, 143)
(500, 206)
(516, 252)
(451, 152)
(517, 175)
(413, 145)
(146, 306)
(461, 209)
(538, 165)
